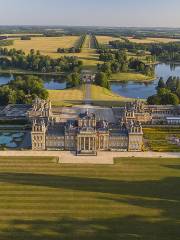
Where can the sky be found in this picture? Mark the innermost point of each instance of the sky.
(115, 13)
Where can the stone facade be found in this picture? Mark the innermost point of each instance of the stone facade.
(87, 134)
(138, 111)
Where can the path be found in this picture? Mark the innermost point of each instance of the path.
(87, 98)
(102, 158)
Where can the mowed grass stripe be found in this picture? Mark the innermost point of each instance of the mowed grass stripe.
(40, 199)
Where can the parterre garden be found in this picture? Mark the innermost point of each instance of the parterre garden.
(157, 139)
(133, 199)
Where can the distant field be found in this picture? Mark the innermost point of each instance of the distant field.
(106, 39)
(87, 44)
(20, 34)
(49, 45)
(88, 55)
(46, 45)
(157, 139)
(153, 40)
(67, 97)
(135, 199)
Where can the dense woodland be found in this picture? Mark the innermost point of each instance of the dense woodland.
(119, 62)
(166, 52)
(36, 62)
(116, 62)
(167, 92)
(161, 51)
(22, 90)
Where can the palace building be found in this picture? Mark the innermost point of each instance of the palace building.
(89, 130)
(86, 134)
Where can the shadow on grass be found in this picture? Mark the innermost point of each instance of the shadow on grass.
(176, 167)
(167, 188)
(163, 195)
(126, 228)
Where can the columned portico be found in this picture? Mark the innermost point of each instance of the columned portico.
(86, 144)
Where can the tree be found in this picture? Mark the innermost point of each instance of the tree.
(23, 90)
(115, 67)
(155, 99)
(178, 88)
(106, 68)
(163, 91)
(172, 83)
(170, 98)
(34, 61)
(124, 67)
(7, 95)
(73, 79)
(161, 84)
(101, 79)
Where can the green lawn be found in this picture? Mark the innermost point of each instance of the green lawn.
(133, 199)
(67, 97)
(130, 76)
(157, 139)
(105, 97)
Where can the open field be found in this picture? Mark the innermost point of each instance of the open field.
(49, 45)
(67, 97)
(46, 45)
(20, 34)
(88, 55)
(153, 40)
(105, 97)
(130, 76)
(87, 42)
(157, 139)
(90, 58)
(106, 39)
(133, 199)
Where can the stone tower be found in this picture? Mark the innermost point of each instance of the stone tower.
(38, 135)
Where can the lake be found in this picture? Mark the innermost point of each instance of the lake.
(126, 89)
(146, 89)
(50, 82)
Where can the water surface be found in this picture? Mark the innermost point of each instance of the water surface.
(144, 90)
(50, 82)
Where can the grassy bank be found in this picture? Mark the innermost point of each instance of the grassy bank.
(67, 97)
(130, 76)
(26, 72)
(134, 199)
(105, 97)
(157, 139)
